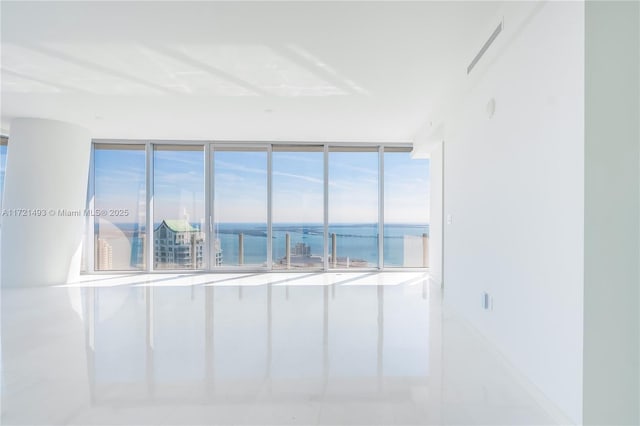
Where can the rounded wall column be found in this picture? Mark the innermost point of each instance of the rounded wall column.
(44, 201)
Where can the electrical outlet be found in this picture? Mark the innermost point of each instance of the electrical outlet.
(487, 301)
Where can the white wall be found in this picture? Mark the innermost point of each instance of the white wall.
(612, 214)
(47, 170)
(435, 218)
(514, 190)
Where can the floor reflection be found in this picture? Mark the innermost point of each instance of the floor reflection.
(257, 349)
(202, 343)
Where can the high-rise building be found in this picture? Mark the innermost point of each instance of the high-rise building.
(178, 245)
(104, 255)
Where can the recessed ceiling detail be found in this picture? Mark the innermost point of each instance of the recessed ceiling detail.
(334, 71)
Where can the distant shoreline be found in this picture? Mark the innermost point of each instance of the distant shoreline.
(280, 225)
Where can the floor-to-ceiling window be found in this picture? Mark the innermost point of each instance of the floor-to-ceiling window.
(262, 206)
(298, 207)
(406, 209)
(353, 207)
(240, 206)
(119, 206)
(179, 207)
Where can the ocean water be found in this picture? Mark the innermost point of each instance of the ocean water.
(355, 241)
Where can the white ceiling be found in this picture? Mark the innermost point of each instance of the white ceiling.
(312, 71)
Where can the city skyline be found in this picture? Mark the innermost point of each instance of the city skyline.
(239, 196)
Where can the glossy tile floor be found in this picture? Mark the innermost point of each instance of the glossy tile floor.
(352, 348)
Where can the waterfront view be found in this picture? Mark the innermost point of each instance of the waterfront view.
(224, 224)
(122, 246)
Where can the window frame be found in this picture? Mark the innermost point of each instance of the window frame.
(209, 147)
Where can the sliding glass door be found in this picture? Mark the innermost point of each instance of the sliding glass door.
(298, 207)
(406, 210)
(353, 208)
(304, 207)
(179, 232)
(119, 200)
(240, 207)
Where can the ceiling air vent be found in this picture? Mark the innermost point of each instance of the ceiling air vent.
(485, 47)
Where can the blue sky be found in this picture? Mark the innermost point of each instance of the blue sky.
(240, 187)
(240, 184)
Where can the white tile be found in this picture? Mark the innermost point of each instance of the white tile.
(282, 348)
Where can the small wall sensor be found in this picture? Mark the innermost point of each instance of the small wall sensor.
(491, 107)
(485, 301)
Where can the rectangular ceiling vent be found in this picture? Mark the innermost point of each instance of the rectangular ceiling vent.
(485, 47)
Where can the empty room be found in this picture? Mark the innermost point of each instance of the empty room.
(320, 212)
